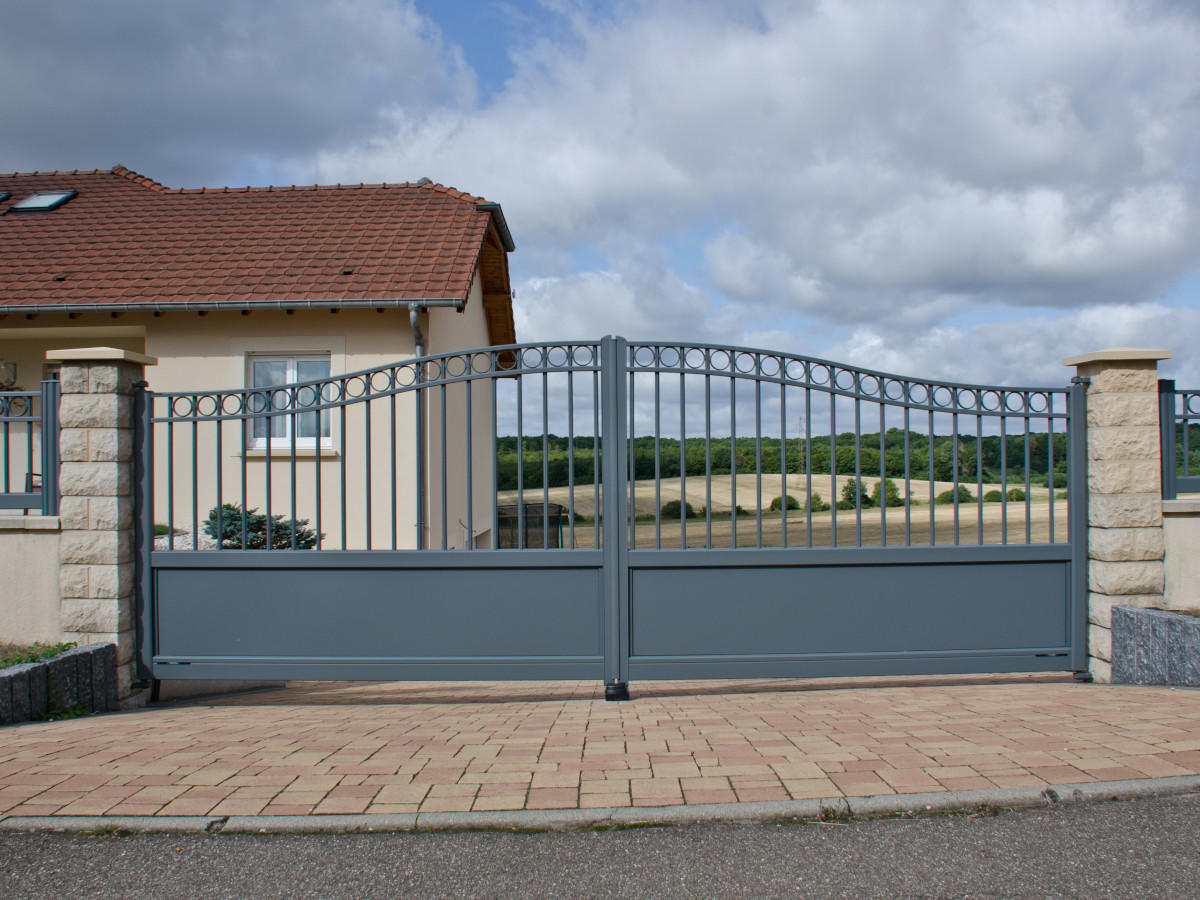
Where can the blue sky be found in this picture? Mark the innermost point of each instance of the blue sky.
(944, 188)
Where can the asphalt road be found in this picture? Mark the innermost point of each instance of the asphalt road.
(1138, 848)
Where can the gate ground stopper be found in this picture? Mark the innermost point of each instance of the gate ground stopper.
(616, 690)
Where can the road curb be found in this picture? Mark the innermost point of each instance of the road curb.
(614, 817)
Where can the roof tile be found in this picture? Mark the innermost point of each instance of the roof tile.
(126, 239)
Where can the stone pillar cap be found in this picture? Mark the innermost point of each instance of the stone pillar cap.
(1118, 354)
(100, 354)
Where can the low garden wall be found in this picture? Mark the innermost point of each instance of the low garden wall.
(77, 682)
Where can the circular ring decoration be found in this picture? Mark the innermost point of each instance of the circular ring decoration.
(720, 360)
(457, 366)
(796, 370)
(1014, 402)
(1191, 404)
(941, 396)
(482, 363)
(232, 404)
(990, 401)
(844, 379)
(208, 406)
(557, 357)
(533, 358)
(770, 366)
(1038, 402)
(917, 393)
(893, 389)
(668, 358)
(868, 385)
(405, 376)
(694, 358)
(821, 375)
(746, 363)
(643, 357)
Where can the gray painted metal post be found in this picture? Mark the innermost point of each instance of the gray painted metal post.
(143, 525)
(1166, 427)
(50, 453)
(1077, 525)
(614, 463)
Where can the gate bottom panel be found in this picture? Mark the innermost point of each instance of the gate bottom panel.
(314, 620)
(851, 612)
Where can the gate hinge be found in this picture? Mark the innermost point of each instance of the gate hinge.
(1081, 379)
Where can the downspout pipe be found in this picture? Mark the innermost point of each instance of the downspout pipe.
(414, 320)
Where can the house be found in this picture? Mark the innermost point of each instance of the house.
(235, 288)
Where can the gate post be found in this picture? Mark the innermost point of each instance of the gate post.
(614, 452)
(1124, 535)
(96, 563)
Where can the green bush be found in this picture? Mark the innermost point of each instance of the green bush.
(670, 510)
(1062, 495)
(777, 503)
(853, 494)
(964, 495)
(993, 497)
(890, 494)
(1015, 494)
(816, 503)
(256, 530)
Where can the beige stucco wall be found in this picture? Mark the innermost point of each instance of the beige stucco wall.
(29, 600)
(210, 352)
(1181, 533)
(449, 331)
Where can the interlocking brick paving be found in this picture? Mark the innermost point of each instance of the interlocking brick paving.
(396, 748)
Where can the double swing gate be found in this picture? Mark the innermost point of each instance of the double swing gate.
(614, 511)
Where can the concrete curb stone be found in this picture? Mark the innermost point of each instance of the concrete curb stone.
(616, 817)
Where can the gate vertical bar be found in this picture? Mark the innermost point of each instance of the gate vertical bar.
(50, 453)
(143, 525)
(615, 463)
(1077, 498)
(1166, 430)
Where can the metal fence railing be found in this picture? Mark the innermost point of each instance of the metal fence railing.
(527, 446)
(1179, 424)
(29, 449)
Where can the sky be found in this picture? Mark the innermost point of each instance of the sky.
(947, 189)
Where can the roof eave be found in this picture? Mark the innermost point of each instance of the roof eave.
(212, 306)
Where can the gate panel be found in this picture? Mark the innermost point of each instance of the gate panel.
(850, 612)
(246, 616)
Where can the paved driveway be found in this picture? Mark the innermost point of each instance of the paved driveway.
(401, 748)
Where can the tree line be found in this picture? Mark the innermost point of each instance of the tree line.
(966, 455)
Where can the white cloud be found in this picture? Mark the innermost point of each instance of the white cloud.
(868, 156)
(1029, 350)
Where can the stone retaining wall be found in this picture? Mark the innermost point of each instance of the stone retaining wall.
(80, 680)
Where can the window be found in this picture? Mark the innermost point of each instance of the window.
(43, 200)
(267, 376)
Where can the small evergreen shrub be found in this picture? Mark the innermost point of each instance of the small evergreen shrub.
(993, 497)
(816, 504)
(777, 503)
(256, 530)
(853, 494)
(1015, 494)
(964, 496)
(888, 496)
(670, 510)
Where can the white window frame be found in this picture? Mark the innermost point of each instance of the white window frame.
(283, 443)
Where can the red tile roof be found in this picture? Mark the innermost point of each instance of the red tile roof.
(127, 242)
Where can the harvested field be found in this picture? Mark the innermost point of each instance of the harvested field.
(999, 522)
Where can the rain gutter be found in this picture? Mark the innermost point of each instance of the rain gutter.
(215, 306)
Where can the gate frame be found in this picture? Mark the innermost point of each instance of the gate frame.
(616, 567)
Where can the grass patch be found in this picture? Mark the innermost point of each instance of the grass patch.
(16, 654)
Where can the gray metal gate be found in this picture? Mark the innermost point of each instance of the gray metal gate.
(949, 542)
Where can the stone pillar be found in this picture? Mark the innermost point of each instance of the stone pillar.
(1125, 534)
(96, 569)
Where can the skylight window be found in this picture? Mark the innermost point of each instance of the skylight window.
(43, 200)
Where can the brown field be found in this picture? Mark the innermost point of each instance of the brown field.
(1000, 521)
